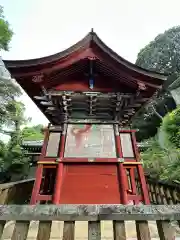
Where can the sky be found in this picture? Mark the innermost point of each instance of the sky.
(44, 27)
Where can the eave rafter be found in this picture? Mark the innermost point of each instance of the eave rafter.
(39, 76)
(65, 106)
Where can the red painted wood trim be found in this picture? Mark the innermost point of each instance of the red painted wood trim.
(140, 172)
(131, 75)
(130, 160)
(61, 64)
(47, 159)
(135, 198)
(57, 188)
(45, 143)
(59, 174)
(122, 171)
(49, 166)
(95, 160)
(37, 184)
(127, 184)
(123, 184)
(118, 147)
(143, 184)
(44, 197)
(135, 147)
(133, 182)
(76, 160)
(127, 130)
(43, 157)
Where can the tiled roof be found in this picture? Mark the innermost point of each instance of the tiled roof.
(32, 143)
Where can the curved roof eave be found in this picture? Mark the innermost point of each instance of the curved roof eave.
(91, 37)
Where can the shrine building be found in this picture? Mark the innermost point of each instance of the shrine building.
(89, 94)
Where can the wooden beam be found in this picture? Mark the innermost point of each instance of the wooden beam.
(97, 94)
(91, 121)
(142, 100)
(41, 98)
(55, 128)
(48, 104)
(135, 105)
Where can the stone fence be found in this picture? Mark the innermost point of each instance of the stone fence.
(166, 219)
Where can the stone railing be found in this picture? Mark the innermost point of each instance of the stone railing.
(88, 221)
(163, 192)
(16, 192)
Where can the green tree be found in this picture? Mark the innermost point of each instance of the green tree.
(8, 92)
(11, 111)
(161, 55)
(8, 88)
(2, 154)
(14, 158)
(6, 32)
(154, 158)
(32, 133)
(161, 163)
(171, 125)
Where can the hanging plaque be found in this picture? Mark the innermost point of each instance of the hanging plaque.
(90, 141)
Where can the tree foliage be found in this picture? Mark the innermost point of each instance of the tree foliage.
(161, 55)
(171, 125)
(161, 163)
(9, 91)
(12, 113)
(12, 157)
(6, 32)
(32, 133)
(13, 154)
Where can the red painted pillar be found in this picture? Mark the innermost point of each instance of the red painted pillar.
(37, 184)
(141, 172)
(122, 172)
(59, 174)
(45, 143)
(143, 185)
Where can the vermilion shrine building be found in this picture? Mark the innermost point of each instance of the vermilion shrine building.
(89, 94)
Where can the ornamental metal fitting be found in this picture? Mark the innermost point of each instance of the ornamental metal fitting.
(37, 78)
(120, 160)
(91, 159)
(58, 160)
(116, 130)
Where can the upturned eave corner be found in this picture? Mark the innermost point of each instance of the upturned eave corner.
(92, 41)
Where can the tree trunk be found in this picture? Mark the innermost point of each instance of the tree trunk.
(157, 114)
